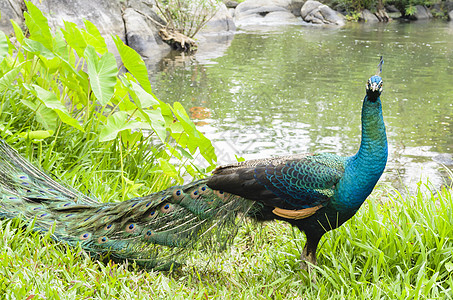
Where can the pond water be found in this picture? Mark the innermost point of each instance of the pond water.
(293, 89)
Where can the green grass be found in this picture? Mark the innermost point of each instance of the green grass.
(394, 248)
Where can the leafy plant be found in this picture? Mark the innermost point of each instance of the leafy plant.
(187, 17)
(63, 95)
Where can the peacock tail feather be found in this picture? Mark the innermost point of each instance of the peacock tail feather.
(149, 230)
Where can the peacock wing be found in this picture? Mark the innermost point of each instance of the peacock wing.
(294, 182)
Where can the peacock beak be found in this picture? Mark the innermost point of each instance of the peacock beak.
(374, 87)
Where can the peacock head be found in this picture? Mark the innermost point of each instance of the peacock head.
(374, 88)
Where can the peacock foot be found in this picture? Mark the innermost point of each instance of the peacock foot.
(307, 261)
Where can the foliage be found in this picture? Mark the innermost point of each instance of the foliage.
(394, 248)
(63, 95)
(187, 17)
(406, 7)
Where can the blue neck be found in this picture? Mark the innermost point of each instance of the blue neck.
(363, 170)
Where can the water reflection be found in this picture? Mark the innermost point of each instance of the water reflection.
(300, 90)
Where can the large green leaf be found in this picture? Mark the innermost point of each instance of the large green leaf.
(144, 99)
(133, 63)
(51, 101)
(118, 122)
(74, 37)
(45, 116)
(18, 32)
(157, 123)
(169, 170)
(94, 38)
(102, 73)
(37, 25)
(7, 80)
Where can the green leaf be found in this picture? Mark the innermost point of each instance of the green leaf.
(51, 101)
(45, 116)
(143, 98)
(7, 80)
(37, 26)
(157, 123)
(94, 38)
(117, 123)
(134, 63)
(18, 32)
(74, 37)
(168, 169)
(3, 46)
(38, 49)
(186, 123)
(36, 134)
(102, 73)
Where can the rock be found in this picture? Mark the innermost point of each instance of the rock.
(450, 15)
(142, 34)
(421, 13)
(392, 9)
(147, 8)
(11, 10)
(263, 12)
(104, 14)
(222, 22)
(295, 7)
(368, 17)
(318, 13)
(230, 3)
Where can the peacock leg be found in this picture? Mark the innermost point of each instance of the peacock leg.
(309, 252)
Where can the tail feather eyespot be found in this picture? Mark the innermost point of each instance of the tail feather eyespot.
(102, 240)
(195, 194)
(85, 236)
(178, 194)
(130, 228)
(166, 208)
(148, 234)
(202, 189)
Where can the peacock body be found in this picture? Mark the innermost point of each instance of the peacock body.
(314, 192)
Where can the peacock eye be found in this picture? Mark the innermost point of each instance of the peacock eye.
(102, 239)
(166, 208)
(131, 228)
(85, 236)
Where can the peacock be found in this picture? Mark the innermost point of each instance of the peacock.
(313, 192)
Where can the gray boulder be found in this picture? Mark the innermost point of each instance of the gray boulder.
(142, 34)
(295, 7)
(222, 22)
(264, 12)
(368, 17)
(10, 10)
(318, 13)
(421, 13)
(230, 3)
(104, 14)
(450, 15)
